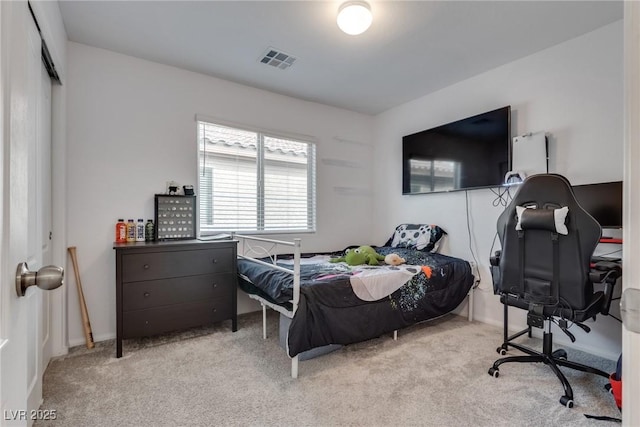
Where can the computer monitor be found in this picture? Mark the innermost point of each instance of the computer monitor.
(603, 201)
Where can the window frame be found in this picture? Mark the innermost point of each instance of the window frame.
(311, 176)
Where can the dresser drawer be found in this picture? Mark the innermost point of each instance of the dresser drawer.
(156, 293)
(162, 265)
(140, 323)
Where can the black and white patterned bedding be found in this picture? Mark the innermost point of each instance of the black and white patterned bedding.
(330, 312)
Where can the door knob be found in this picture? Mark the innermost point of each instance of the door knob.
(47, 278)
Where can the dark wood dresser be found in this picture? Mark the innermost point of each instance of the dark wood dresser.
(166, 286)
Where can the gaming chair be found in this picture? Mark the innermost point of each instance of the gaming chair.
(544, 267)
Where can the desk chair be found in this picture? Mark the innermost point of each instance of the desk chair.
(547, 242)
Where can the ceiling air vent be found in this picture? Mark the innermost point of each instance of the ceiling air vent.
(277, 58)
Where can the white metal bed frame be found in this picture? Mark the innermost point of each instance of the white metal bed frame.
(271, 252)
(261, 251)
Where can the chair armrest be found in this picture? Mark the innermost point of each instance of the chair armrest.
(495, 259)
(607, 273)
(495, 271)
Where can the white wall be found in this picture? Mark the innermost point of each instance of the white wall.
(573, 91)
(131, 128)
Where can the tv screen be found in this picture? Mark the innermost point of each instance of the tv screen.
(603, 202)
(470, 153)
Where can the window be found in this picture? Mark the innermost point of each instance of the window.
(254, 181)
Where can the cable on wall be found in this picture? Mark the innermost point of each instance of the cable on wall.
(503, 196)
(473, 255)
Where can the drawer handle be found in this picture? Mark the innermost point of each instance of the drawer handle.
(215, 260)
(215, 285)
(146, 266)
(146, 294)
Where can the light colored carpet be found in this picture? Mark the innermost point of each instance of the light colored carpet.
(434, 375)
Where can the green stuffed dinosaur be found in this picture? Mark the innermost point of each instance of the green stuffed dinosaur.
(361, 255)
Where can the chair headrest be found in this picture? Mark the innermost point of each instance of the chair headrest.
(546, 201)
(532, 218)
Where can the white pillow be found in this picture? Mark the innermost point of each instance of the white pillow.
(554, 220)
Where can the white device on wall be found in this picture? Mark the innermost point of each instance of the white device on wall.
(529, 156)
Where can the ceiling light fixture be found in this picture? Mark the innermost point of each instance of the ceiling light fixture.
(354, 17)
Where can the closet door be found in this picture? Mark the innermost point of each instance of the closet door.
(26, 174)
(631, 220)
(44, 205)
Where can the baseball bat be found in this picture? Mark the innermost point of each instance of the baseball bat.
(86, 324)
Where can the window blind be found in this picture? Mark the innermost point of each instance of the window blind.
(253, 181)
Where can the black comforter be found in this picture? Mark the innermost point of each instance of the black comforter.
(329, 312)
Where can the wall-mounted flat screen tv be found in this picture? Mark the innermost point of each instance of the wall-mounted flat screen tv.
(470, 153)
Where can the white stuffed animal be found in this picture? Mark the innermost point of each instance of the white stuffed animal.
(394, 259)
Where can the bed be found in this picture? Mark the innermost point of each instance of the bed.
(332, 303)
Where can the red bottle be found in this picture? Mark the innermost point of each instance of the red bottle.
(121, 231)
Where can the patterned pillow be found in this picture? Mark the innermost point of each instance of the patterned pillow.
(422, 237)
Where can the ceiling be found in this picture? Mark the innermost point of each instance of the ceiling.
(413, 48)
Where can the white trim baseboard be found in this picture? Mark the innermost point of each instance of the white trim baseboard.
(96, 338)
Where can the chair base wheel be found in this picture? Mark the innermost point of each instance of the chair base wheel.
(494, 372)
(566, 401)
(501, 351)
(559, 354)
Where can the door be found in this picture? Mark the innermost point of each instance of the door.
(25, 215)
(631, 231)
(44, 206)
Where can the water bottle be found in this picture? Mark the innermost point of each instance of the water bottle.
(131, 231)
(149, 231)
(140, 230)
(121, 231)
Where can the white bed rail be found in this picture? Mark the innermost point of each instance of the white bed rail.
(271, 252)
